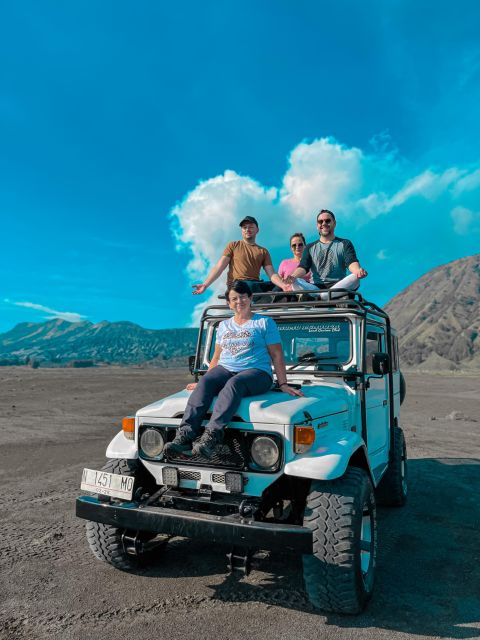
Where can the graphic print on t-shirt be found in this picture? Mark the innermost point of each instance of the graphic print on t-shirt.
(236, 342)
(329, 261)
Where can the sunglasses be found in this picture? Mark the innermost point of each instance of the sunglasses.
(294, 246)
(324, 221)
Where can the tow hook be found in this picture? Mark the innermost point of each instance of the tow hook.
(240, 560)
(248, 509)
(131, 543)
(137, 543)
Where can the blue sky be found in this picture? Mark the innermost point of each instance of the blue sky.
(133, 137)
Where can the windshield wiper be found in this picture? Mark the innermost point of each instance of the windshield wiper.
(308, 358)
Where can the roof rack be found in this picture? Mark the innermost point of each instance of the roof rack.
(339, 300)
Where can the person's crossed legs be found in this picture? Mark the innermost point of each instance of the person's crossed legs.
(350, 282)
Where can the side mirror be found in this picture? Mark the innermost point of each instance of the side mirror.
(380, 363)
(191, 364)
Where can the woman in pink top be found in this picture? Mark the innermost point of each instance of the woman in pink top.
(288, 266)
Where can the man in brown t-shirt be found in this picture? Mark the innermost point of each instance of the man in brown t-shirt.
(244, 259)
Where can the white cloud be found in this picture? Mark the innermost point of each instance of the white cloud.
(70, 316)
(382, 254)
(382, 143)
(322, 174)
(469, 182)
(465, 221)
(209, 215)
(427, 185)
(208, 218)
(358, 186)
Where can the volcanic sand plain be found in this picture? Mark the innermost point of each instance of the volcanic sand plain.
(54, 422)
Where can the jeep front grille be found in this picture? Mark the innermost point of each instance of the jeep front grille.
(234, 454)
(229, 455)
(189, 475)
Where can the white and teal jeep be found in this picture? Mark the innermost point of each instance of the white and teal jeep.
(297, 474)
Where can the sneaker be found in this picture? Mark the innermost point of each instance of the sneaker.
(181, 443)
(207, 443)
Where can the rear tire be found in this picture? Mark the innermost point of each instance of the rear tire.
(393, 487)
(106, 541)
(341, 513)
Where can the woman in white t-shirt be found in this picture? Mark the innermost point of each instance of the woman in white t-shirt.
(246, 347)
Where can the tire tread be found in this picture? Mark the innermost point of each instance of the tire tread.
(105, 541)
(331, 512)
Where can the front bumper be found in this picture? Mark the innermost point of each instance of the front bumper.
(232, 530)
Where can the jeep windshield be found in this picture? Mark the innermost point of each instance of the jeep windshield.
(312, 344)
(315, 343)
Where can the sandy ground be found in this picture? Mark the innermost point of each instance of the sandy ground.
(55, 422)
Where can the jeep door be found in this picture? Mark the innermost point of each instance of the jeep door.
(376, 397)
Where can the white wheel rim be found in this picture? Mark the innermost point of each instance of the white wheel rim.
(403, 471)
(366, 542)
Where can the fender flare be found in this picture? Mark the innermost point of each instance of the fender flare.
(120, 447)
(330, 459)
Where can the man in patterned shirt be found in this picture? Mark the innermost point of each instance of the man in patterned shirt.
(328, 259)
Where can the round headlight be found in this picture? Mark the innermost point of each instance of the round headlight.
(152, 443)
(265, 452)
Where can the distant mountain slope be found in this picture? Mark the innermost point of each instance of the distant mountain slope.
(112, 342)
(438, 317)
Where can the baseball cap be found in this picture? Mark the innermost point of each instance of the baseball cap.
(248, 219)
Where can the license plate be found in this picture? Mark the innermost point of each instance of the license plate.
(108, 484)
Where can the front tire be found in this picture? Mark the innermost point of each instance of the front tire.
(107, 542)
(341, 513)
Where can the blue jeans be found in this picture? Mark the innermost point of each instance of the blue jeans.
(230, 387)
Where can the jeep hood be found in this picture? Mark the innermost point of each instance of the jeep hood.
(270, 408)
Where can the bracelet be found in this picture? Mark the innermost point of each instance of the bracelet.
(283, 384)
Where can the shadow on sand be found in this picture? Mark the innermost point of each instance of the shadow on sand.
(428, 570)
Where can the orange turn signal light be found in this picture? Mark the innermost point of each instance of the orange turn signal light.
(128, 426)
(304, 437)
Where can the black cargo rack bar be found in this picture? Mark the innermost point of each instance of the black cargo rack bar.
(350, 302)
(344, 300)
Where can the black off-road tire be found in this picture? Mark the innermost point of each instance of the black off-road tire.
(341, 513)
(104, 540)
(393, 487)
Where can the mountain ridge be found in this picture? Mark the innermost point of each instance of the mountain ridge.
(437, 318)
(59, 341)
